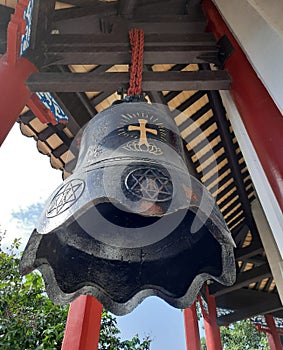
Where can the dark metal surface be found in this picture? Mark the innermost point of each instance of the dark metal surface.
(131, 221)
(111, 30)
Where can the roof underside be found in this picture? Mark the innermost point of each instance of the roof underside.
(81, 50)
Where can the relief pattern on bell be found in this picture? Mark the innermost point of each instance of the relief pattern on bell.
(131, 221)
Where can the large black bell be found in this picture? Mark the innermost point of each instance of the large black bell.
(131, 221)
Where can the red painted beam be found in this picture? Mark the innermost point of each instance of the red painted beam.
(191, 328)
(273, 336)
(212, 330)
(261, 117)
(14, 94)
(83, 324)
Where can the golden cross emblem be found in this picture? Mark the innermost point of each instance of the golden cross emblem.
(143, 130)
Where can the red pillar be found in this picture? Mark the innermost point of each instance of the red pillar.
(191, 328)
(212, 330)
(261, 117)
(83, 324)
(273, 336)
(14, 94)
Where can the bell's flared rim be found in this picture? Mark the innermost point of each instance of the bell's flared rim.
(55, 293)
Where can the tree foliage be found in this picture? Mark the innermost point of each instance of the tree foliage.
(241, 335)
(29, 320)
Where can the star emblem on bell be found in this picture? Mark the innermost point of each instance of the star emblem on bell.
(149, 184)
(131, 221)
(65, 198)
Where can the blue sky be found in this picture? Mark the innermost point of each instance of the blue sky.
(26, 181)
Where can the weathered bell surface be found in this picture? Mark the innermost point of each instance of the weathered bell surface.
(131, 221)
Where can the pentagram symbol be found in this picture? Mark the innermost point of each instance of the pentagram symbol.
(65, 197)
(151, 184)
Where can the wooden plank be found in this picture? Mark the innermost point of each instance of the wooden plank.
(41, 21)
(240, 235)
(5, 15)
(247, 303)
(122, 39)
(152, 81)
(243, 279)
(93, 24)
(95, 8)
(127, 7)
(243, 298)
(155, 8)
(268, 306)
(3, 42)
(83, 3)
(245, 253)
(121, 55)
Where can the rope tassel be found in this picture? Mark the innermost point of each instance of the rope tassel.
(137, 49)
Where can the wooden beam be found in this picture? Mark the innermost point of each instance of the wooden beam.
(161, 8)
(122, 39)
(82, 3)
(245, 253)
(96, 8)
(41, 21)
(5, 15)
(243, 298)
(240, 235)
(120, 54)
(77, 104)
(114, 48)
(152, 81)
(127, 7)
(255, 308)
(191, 328)
(92, 24)
(243, 280)
(247, 303)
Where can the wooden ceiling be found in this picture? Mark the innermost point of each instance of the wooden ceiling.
(81, 49)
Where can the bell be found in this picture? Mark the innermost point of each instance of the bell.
(131, 221)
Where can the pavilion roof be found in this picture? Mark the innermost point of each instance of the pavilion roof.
(83, 56)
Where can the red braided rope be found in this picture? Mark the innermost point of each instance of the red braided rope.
(137, 48)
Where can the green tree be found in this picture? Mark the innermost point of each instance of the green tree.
(30, 321)
(241, 335)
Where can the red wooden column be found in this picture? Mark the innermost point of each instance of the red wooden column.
(14, 95)
(212, 330)
(14, 70)
(261, 117)
(191, 328)
(272, 336)
(83, 324)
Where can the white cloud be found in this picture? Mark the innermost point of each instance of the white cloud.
(26, 178)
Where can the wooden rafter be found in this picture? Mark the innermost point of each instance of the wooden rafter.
(5, 14)
(174, 35)
(168, 24)
(96, 8)
(41, 21)
(243, 280)
(120, 54)
(152, 81)
(247, 303)
(127, 8)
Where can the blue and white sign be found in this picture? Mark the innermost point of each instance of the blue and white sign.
(49, 102)
(25, 41)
